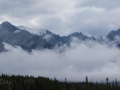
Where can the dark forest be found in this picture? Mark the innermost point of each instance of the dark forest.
(19, 82)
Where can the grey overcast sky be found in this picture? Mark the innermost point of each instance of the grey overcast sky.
(63, 17)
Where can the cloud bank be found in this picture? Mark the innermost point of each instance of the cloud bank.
(97, 61)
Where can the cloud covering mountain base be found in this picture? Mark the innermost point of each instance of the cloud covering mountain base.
(97, 61)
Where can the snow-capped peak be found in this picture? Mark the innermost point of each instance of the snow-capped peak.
(31, 30)
(87, 34)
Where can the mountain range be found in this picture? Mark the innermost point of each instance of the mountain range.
(45, 39)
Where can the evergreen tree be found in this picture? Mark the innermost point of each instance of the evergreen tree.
(116, 84)
(86, 83)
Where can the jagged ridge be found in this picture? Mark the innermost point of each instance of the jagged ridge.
(20, 36)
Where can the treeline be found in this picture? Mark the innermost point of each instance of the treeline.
(19, 82)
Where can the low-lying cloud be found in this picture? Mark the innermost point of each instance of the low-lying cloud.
(97, 61)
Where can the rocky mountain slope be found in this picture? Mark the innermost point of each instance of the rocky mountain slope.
(28, 40)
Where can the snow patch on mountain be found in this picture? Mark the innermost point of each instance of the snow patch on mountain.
(47, 37)
(31, 30)
(87, 34)
(17, 31)
(41, 32)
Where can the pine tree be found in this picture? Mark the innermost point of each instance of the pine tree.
(116, 84)
(107, 85)
(113, 85)
(86, 83)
